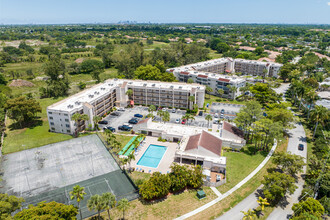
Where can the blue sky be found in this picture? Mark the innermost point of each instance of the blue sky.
(161, 11)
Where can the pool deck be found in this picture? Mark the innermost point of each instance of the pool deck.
(164, 164)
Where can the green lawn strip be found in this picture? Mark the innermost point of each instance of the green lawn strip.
(239, 165)
(26, 138)
(126, 147)
(211, 98)
(229, 202)
(131, 148)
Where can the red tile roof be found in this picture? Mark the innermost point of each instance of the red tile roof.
(143, 121)
(184, 73)
(223, 80)
(232, 129)
(205, 140)
(202, 76)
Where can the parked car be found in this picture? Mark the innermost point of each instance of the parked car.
(124, 128)
(177, 120)
(133, 121)
(222, 111)
(138, 115)
(121, 109)
(164, 109)
(173, 110)
(200, 113)
(221, 116)
(110, 128)
(183, 121)
(103, 122)
(127, 124)
(115, 113)
(216, 115)
(300, 147)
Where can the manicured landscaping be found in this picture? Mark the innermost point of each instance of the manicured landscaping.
(239, 165)
(39, 135)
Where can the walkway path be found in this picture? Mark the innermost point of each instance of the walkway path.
(216, 191)
(229, 192)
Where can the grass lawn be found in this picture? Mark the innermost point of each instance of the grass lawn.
(211, 98)
(173, 206)
(239, 165)
(248, 188)
(26, 138)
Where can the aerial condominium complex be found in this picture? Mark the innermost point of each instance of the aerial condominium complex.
(213, 73)
(101, 98)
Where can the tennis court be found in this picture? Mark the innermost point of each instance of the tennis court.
(49, 173)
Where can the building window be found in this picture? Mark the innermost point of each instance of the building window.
(53, 129)
(68, 131)
(52, 123)
(50, 112)
(66, 115)
(67, 125)
(67, 120)
(51, 118)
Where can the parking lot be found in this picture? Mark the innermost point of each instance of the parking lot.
(125, 116)
(229, 109)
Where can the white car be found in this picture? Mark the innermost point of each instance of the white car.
(164, 109)
(129, 125)
(177, 120)
(121, 109)
(216, 115)
(173, 110)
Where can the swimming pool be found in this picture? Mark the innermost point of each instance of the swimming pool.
(152, 156)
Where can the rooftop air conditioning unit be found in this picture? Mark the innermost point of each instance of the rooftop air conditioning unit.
(145, 84)
(115, 79)
(102, 88)
(153, 84)
(180, 87)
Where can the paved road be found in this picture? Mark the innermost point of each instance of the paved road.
(297, 136)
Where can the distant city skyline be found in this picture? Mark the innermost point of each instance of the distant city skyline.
(170, 11)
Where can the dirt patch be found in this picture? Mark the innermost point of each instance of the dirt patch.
(21, 83)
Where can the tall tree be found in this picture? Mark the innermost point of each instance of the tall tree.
(208, 118)
(22, 110)
(78, 194)
(123, 205)
(96, 203)
(319, 115)
(310, 206)
(109, 201)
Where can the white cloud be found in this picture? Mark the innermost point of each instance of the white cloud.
(329, 3)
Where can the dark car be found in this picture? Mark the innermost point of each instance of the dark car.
(200, 113)
(138, 115)
(222, 111)
(124, 128)
(133, 121)
(103, 122)
(300, 147)
(110, 128)
(115, 113)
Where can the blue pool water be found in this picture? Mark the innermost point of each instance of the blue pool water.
(152, 156)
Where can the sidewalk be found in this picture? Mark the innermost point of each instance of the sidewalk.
(229, 192)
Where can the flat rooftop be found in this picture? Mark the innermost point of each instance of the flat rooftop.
(75, 102)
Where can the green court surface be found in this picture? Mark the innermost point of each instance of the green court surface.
(132, 147)
(116, 182)
(127, 146)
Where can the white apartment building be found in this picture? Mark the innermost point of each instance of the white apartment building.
(211, 73)
(101, 98)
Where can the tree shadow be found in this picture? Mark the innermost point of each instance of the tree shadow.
(31, 124)
(152, 202)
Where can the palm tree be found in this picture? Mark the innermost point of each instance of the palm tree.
(130, 158)
(191, 100)
(109, 201)
(191, 118)
(262, 203)
(95, 203)
(208, 118)
(151, 108)
(78, 194)
(319, 115)
(220, 92)
(76, 119)
(123, 205)
(209, 90)
(129, 93)
(160, 113)
(249, 215)
(232, 89)
(96, 120)
(166, 116)
(310, 97)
